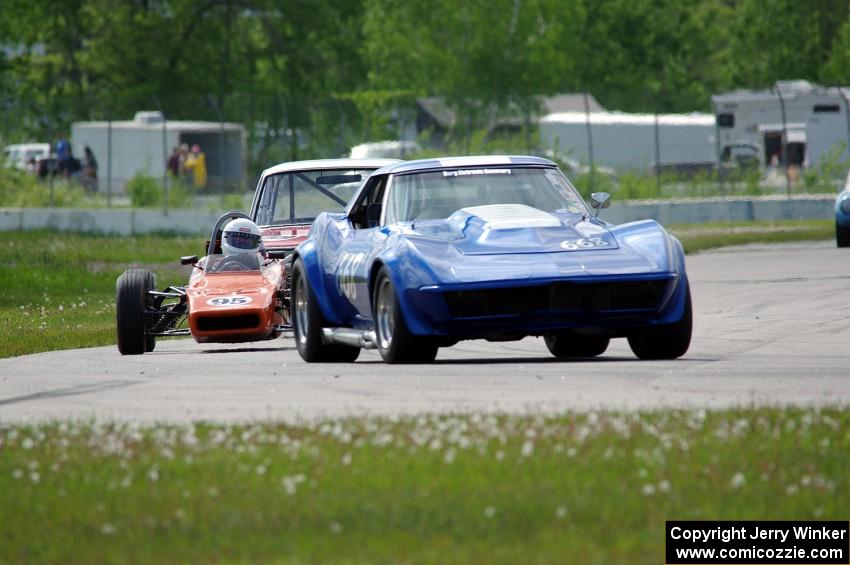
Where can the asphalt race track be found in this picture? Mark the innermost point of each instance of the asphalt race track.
(772, 326)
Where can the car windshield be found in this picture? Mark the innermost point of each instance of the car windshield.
(234, 263)
(299, 196)
(437, 194)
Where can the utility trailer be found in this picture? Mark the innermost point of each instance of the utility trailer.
(633, 141)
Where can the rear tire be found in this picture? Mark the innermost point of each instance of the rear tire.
(395, 342)
(307, 324)
(568, 345)
(842, 236)
(668, 341)
(131, 302)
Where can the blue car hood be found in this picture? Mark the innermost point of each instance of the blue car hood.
(468, 247)
(513, 228)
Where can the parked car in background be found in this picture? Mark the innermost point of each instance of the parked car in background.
(396, 149)
(26, 156)
(574, 167)
(434, 251)
(842, 215)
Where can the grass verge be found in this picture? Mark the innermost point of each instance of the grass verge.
(576, 488)
(59, 289)
(701, 237)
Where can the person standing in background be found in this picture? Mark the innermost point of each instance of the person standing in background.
(89, 171)
(173, 163)
(63, 156)
(196, 162)
(183, 171)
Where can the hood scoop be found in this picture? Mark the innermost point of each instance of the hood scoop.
(517, 228)
(510, 216)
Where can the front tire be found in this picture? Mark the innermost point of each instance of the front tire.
(668, 341)
(131, 302)
(842, 235)
(395, 342)
(307, 324)
(570, 345)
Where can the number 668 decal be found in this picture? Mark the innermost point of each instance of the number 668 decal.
(584, 243)
(235, 300)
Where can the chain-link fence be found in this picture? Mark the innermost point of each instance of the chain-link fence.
(178, 150)
(185, 151)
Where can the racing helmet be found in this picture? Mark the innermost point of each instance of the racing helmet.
(240, 236)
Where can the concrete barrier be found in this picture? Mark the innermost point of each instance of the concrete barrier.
(692, 211)
(10, 219)
(107, 222)
(722, 210)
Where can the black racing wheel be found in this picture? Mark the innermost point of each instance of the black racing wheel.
(131, 303)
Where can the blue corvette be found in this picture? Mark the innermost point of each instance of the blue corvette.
(434, 251)
(842, 216)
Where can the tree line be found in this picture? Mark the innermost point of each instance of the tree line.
(315, 71)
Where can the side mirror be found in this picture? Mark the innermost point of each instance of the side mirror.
(278, 253)
(373, 214)
(189, 260)
(600, 200)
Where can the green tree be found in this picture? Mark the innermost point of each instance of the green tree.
(484, 57)
(309, 77)
(655, 55)
(783, 39)
(837, 68)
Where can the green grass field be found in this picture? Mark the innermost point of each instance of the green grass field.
(59, 289)
(576, 488)
(702, 237)
(594, 487)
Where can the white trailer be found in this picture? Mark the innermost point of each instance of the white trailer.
(756, 116)
(628, 141)
(144, 146)
(825, 135)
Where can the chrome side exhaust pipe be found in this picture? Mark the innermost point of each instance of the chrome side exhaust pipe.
(350, 337)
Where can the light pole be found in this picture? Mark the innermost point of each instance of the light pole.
(784, 138)
(589, 139)
(109, 158)
(164, 157)
(218, 112)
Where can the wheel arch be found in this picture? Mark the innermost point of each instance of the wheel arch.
(394, 266)
(377, 265)
(309, 257)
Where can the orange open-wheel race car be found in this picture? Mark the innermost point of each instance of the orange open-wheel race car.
(230, 297)
(239, 294)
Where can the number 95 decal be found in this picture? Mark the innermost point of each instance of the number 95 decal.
(584, 243)
(235, 300)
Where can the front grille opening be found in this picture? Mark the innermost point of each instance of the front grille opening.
(496, 301)
(566, 296)
(244, 322)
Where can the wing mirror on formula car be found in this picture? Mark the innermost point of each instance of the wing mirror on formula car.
(278, 253)
(373, 214)
(189, 260)
(600, 200)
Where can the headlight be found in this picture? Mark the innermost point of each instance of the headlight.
(845, 204)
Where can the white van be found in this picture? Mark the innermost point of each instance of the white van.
(19, 155)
